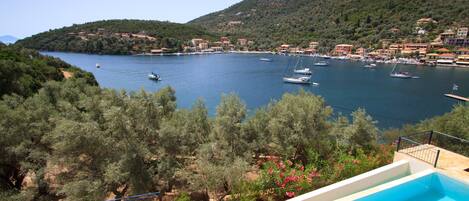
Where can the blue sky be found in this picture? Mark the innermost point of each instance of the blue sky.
(22, 18)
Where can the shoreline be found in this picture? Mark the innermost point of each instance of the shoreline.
(404, 61)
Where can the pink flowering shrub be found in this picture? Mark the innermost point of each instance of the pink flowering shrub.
(285, 179)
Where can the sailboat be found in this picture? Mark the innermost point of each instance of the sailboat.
(303, 71)
(400, 74)
(305, 77)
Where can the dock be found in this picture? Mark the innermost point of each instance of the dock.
(457, 97)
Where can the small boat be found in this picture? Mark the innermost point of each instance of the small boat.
(298, 80)
(304, 71)
(321, 63)
(265, 59)
(399, 74)
(369, 66)
(154, 76)
(97, 65)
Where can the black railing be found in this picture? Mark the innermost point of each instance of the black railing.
(146, 196)
(425, 145)
(424, 152)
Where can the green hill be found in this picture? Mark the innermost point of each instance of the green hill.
(116, 37)
(272, 22)
(23, 71)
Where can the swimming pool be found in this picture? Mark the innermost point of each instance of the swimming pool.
(432, 187)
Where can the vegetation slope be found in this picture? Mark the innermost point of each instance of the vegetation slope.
(102, 37)
(23, 71)
(72, 140)
(272, 22)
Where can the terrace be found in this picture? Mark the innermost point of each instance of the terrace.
(430, 165)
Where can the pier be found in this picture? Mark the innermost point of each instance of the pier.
(457, 97)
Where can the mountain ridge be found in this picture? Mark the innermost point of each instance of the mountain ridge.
(124, 36)
(273, 22)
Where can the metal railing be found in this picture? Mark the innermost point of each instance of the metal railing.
(424, 152)
(425, 145)
(146, 196)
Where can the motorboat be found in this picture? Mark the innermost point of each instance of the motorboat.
(298, 80)
(153, 76)
(265, 59)
(97, 65)
(321, 63)
(304, 71)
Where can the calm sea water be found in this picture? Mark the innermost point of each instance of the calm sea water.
(345, 85)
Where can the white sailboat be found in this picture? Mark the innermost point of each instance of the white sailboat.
(400, 74)
(304, 71)
(305, 77)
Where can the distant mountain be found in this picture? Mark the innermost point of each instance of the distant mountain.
(272, 22)
(117, 37)
(8, 39)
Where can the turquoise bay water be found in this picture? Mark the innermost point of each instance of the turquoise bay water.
(344, 85)
(433, 187)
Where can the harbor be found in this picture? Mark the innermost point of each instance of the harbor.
(345, 84)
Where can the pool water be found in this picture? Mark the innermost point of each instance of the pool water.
(432, 187)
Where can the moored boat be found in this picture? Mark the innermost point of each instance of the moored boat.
(400, 74)
(265, 59)
(304, 71)
(154, 76)
(369, 66)
(298, 80)
(321, 63)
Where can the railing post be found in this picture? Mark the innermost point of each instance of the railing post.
(398, 144)
(430, 137)
(436, 159)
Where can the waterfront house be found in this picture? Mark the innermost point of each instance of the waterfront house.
(447, 34)
(463, 60)
(462, 32)
(242, 42)
(197, 41)
(462, 51)
(431, 58)
(461, 42)
(342, 49)
(360, 51)
(204, 45)
(313, 45)
(217, 49)
(284, 48)
(447, 58)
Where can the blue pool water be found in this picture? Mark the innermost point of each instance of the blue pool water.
(433, 187)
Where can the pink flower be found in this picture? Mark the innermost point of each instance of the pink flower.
(289, 163)
(270, 171)
(302, 168)
(290, 194)
(282, 166)
(281, 175)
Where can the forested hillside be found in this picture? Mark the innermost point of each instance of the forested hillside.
(23, 71)
(272, 22)
(116, 37)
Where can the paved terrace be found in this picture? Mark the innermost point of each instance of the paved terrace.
(449, 163)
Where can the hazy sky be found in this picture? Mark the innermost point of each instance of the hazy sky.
(22, 18)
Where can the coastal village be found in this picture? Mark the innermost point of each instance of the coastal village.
(449, 48)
